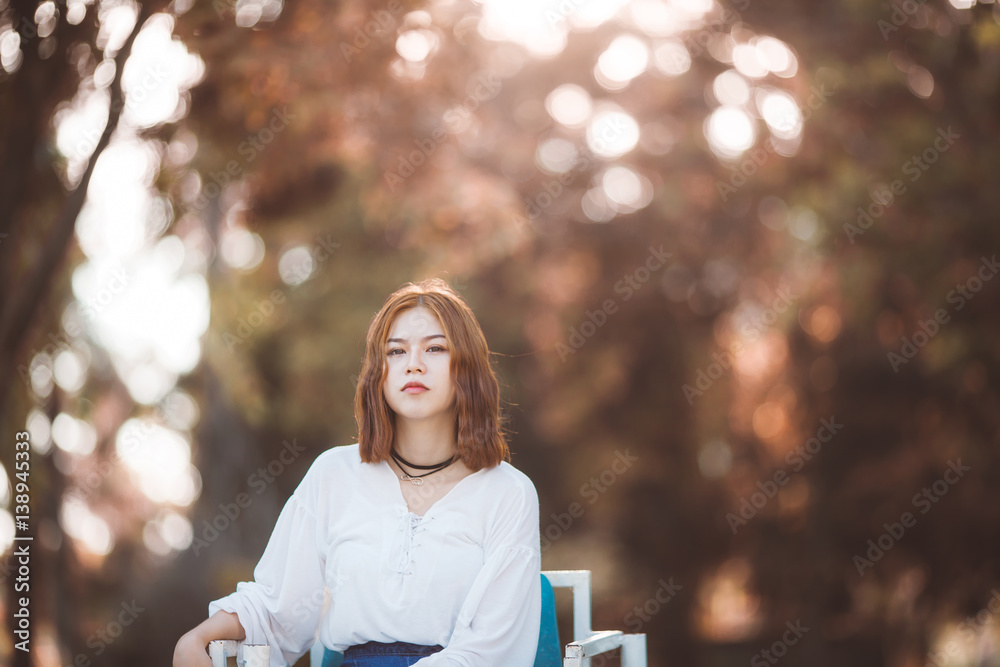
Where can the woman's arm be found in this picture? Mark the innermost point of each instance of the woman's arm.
(283, 604)
(499, 620)
(192, 647)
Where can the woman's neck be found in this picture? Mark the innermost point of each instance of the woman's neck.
(423, 445)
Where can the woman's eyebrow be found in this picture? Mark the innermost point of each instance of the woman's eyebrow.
(402, 340)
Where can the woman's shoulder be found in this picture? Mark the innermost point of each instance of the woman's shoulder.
(339, 455)
(336, 461)
(512, 480)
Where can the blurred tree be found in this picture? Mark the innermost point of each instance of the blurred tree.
(368, 144)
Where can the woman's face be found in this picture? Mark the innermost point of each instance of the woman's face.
(417, 351)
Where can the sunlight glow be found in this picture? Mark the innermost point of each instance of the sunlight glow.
(556, 156)
(4, 487)
(40, 428)
(539, 27)
(159, 72)
(150, 312)
(83, 525)
(160, 461)
(69, 370)
(728, 610)
(612, 133)
(10, 49)
(241, 249)
(775, 55)
(6, 531)
(781, 113)
(113, 219)
(73, 435)
(596, 206)
(729, 131)
(587, 15)
(116, 23)
(731, 88)
(747, 60)
(251, 12)
(40, 372)
(416, 45)
(569, 105)
(671, 58)
(655, 17)
(296, 265)
(626, 191)
(180, 410)
(625, 58)
(761, 356)
(168, 532)
(920, 81)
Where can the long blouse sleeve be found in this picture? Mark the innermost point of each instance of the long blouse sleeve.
(283, 604)
(498, 623)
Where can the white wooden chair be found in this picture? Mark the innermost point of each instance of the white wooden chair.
(586, 642)
(247, 655)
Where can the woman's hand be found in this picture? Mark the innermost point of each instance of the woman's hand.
(192, 650)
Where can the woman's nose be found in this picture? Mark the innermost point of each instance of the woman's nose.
(414, 361)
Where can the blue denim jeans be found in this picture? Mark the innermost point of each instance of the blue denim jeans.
(397, 654)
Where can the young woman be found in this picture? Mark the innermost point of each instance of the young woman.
(422, 535)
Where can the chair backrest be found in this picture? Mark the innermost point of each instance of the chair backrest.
(549, 652)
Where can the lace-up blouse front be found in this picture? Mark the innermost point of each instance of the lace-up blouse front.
(465, 575)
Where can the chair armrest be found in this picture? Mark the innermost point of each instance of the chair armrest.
(247, 655)
(597, 643)
(633, 648)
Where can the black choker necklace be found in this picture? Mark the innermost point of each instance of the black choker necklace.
(416, 479)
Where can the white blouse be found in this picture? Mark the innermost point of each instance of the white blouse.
(466, 575)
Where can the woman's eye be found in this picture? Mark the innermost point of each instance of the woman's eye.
(432, 348)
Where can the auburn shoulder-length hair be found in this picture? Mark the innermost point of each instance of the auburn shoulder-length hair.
(478, 430)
